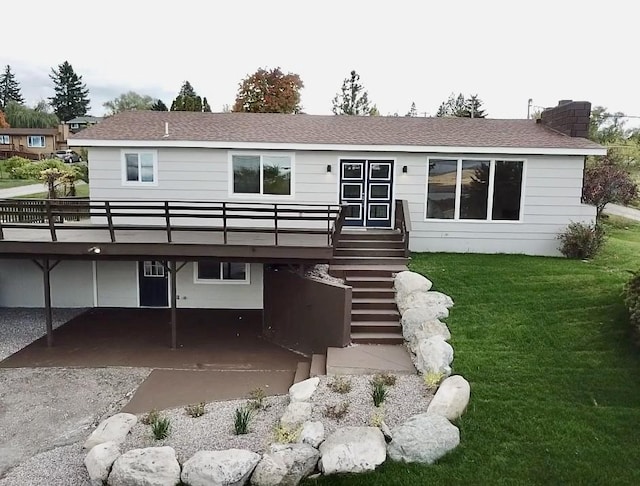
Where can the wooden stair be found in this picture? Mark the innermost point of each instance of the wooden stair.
(367, 261)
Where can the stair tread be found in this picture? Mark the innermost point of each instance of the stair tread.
(365, 278)
(390, 268)
(377, 300)
(379, 335)
(370, 257)
(373, 289)
(357, 324)
(375, 311)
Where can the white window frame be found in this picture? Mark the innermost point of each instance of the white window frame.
(492, 168)
(123, 167)
(261, 195)
(221, 281)
(150, 269)
(30, 139)
(5, 139)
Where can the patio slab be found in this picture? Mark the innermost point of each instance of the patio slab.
(365, 359)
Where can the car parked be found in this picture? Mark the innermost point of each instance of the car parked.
(69, 156)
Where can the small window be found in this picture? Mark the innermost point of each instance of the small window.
(207, 271)
(35, 141)
(441, 189)
(5, 140)
(153, 269)
(75, 126)
(262, 174)
(474, 189)
(507, 191)
(140, 167)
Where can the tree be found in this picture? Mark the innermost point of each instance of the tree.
(606, 128)
(412, 111)
(9, 88)
(269, 91)
(3, 121)
(129, 101)
(461, 107)
(353, 99)
(72, 96)
(20, 116)
(159, 106)
(187, 99)
(205, 105)
(605, 183)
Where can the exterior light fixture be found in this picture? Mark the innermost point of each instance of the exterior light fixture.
(328, 168)
(404, 169)
(95, 249)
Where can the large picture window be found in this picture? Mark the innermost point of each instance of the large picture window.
(208, 271)
(36, 141)
(5, 140)
(471, 189)
(140, 167)
(261, 174)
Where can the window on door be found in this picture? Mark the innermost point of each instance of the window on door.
(153, 269)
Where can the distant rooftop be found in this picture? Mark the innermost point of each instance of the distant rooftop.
(85, 119)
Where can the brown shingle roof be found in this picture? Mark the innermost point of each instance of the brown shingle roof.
(332, 130)
(28, 131)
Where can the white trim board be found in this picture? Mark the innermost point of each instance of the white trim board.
(80, 142)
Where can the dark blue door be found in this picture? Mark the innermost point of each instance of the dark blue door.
(366, 188)
(153, 282)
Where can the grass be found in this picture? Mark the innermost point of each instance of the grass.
(8, 183)
(82, 190)
(555, 382)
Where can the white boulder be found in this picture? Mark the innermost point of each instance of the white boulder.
(425, 300)
(153, 466)
(407, 282)
(99, 461)
(352, 450)
(231, 467)
(295, 414)
(115, 429)
(302, 391)
(433, 355)
(451, 399)
(312, 433)
(422, 321)
(285, 465)
(423, 438)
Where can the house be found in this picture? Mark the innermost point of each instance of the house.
(226, 210)
(32, 143)
(81, 122)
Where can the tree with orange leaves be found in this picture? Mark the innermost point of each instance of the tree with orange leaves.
(269, 91)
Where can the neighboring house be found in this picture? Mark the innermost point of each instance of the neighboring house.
(81, 122)
(235, 200)
(34, 143)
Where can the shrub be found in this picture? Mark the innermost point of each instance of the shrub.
(632, 301)
(340, 384)
(387, 379)
(606, 183)
(336, 411)
(241, 420)
(432, 380)
(256, 399)
(286, 435)
(378, 392)
(377, 418)
(161, 428)
(32, 170)
(581, 240)
(151, 417)
(11, 164)
(196, 410)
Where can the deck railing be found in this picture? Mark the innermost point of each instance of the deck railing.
(402, 222)
(171, 217)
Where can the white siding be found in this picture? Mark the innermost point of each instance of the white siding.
(117, 284)
(21, 284)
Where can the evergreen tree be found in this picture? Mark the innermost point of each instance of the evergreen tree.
(205, 105)
(413, 110)
(188, 100)
(461, 107)
(353, 99)
(72, 96)
(9, 88)
(159, 106)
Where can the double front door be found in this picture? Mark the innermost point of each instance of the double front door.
(366, 188)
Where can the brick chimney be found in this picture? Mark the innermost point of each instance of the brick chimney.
(569, 117)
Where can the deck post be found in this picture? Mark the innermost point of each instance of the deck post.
(174, 299)
(46, 272)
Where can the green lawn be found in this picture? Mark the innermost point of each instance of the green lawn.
(7, 183)
(555, 382)
(82, 190)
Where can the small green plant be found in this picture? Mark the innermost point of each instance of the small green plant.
(241, 420)
(150, 417)
(286, 435)
(195, 410)
(378, 392)
(377, 417)
(581, 240)
(387, 379)
(432, 380)
(337, 411)
(256, 399)
(161, 428)
(340, 384)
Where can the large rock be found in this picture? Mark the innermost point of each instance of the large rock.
(425, 300)
(153, 466)
(115, 429)
(302, 391)
(451, 399)
(99, 461)
(352, 450)
(422, 323)
(423, 438)
(285, 465)
(295, 414)
(219, 468)
(407, 282)
(434, 355)
(312, 433)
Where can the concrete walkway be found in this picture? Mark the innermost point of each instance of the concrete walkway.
(22, 190)
(625, 212)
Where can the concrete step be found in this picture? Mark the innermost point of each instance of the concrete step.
(358, 302)
(370, 261)
(370, 252)
(370, 282)
(367, 359)
(302, 371)
(372, 292)
(376, 338)
(388, 235)
(341, 270)
(375, 315)
(376, 327)
(371, 244)
(318, 365)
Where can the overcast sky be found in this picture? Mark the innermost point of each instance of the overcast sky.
(405, 51)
